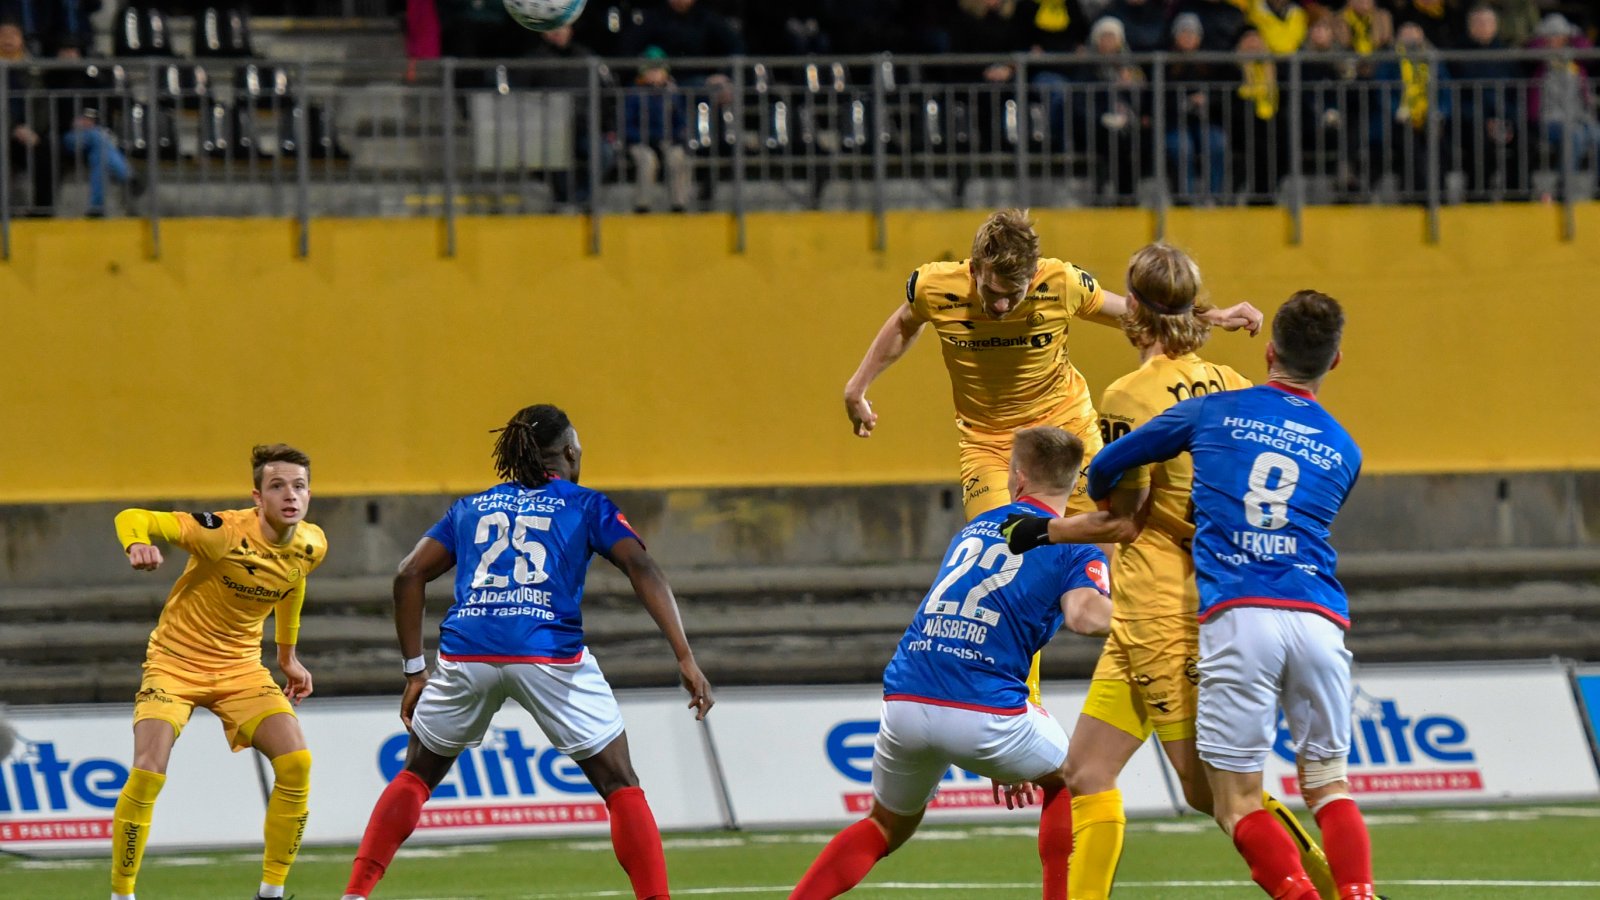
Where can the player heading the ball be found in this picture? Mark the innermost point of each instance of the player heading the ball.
(1001, 318)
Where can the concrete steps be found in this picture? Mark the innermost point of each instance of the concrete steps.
(802, 624)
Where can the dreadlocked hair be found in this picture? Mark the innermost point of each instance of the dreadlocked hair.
(519, 451)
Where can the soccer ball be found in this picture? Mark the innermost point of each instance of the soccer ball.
(544, 15)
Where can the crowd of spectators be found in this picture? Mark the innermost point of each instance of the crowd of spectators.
(1221, 123)
(704, 28)
(1225, 122)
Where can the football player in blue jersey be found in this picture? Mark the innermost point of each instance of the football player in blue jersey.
(1271, 470)
(514, 631)
(955, 692)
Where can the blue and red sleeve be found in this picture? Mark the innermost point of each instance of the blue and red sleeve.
(1157, 440)
(607, 525)
(444, 530)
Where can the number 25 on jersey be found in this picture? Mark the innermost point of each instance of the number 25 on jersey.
(498, 531)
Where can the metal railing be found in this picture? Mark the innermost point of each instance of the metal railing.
(164, 138)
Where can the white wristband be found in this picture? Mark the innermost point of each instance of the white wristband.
(415, 665)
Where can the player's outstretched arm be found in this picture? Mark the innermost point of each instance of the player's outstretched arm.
(1157, 440)
(1240, 315)
(1119, 520)
(1235, 317)
(134, 530)
(1087, 611)
(892, 341)
(651, 587)
(1110, 311)
(426, 561)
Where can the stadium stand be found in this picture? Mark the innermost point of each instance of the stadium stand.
(1474, 119)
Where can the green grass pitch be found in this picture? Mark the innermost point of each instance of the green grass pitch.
(1504, 853)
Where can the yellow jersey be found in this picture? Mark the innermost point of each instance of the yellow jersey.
(213, 619)
(1154, 575)
(1012, 372)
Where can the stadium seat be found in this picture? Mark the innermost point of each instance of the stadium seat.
(261, 85)
(216, 129)
(141, 31)
(222, 32)
(183, 86)
(322, 138)
(138, 131)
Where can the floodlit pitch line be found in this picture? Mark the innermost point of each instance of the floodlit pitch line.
(1025, 885)
(1193, 824)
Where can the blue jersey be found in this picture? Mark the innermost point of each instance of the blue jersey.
(521, 558)
(988, 613)
(1271, 470)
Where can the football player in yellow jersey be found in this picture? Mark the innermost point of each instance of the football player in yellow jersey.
(205, 651)
(1002, 319)
(1147, 675)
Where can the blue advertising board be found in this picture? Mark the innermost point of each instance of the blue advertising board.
(1589, 689)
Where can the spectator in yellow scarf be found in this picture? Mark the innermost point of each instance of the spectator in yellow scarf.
(1260, 135)
(1365, 28)
(1282, 23)
(1413, 96)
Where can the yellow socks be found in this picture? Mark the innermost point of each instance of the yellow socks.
(1098, 823)
(1035, 693)
(1311, 856)
(130, 827)
(286, 815)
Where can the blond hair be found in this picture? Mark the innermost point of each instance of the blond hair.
(1007, 246)
(1049, 456)
(1166, 289)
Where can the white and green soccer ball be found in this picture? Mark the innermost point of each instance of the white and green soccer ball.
(544, 15)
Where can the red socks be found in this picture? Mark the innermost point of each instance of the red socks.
(393, 819)
(1273, 857)
(1055, 841)
(1349, 849)
(845, 861)
(637, 842)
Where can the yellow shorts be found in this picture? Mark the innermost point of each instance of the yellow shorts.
(986, 466)
(1146, 678)
(240, 697)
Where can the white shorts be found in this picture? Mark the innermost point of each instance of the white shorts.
(918, 742)
(573, 704)
(1254, 659)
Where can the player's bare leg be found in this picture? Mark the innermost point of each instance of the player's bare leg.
(278, 737)
(130, 824)
(854, 851)
(395, 816)
(1259, 836)
(1327, 795)
(634, 835)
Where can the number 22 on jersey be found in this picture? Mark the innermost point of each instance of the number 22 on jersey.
(970, 553)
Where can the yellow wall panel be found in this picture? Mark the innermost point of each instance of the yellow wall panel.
(685, 363)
